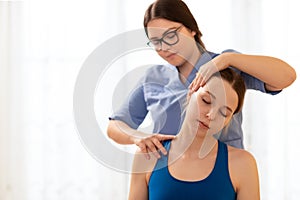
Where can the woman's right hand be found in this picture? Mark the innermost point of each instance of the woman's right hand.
(121, 133)
(152, 144)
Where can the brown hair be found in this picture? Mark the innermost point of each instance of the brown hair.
(173, 10)
(237, 83)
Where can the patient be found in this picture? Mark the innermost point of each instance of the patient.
(197, 165)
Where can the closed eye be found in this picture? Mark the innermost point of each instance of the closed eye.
(223, 114)
(207, 101)
(155, 42)
(225, 111)
(170, 35)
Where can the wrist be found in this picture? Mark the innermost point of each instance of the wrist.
(135, 137)
(225, 60)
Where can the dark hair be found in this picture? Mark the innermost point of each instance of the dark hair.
(237, 83)
(173, 10)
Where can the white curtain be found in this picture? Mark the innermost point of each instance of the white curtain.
(42, 47)
(11, 106)
(271, 122)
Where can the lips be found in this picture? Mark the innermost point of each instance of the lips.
(170, 55)
(203, 124)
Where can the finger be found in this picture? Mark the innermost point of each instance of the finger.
(152, 148)
(143, 148)
(192, 84)
(197, 84)
(162, 137)
(208, 73)
(205, 77)
(202, 83)
(160, 146)
(190, 93)
(200, 79)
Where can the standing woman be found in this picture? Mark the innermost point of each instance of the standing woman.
(174, 34)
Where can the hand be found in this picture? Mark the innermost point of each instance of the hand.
(152, 143)
(206, 71)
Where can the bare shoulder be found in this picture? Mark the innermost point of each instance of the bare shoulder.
(242, 167)
(141, 164)
(140, 168)
(243, 173)
(240, 157)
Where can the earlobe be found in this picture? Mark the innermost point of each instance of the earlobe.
(193, 33)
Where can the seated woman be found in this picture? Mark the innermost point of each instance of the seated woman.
(197, 165)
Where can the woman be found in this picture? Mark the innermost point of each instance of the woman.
(223, 173)
(174, 34)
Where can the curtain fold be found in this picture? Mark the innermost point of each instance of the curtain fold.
(12, 148)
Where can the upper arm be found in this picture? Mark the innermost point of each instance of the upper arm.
(134, 108)
(138, 183)
(252, 82)
(138, 187)
(243, 170)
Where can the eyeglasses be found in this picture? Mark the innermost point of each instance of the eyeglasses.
(170, 38)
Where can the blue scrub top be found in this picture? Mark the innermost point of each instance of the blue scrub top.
(162, 93)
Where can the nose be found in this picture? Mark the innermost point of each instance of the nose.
(211, 115)
(164, 46)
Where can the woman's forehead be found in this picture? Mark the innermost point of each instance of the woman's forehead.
(222, 92)
(161, 23)
(216, 85)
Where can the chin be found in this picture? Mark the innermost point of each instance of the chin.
(176, 61)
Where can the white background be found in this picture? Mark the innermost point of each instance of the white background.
(42, 47)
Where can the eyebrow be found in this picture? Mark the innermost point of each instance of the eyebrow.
(214, 97)
(211, 94)
(228, 108)
(164, 33)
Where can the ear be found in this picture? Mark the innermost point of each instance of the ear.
(193, 33)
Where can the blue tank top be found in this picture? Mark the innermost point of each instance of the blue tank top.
(217, 186)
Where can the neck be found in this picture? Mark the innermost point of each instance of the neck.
(190, 141)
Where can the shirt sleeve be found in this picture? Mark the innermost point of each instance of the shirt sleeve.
(134, 109)
(256, 84)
